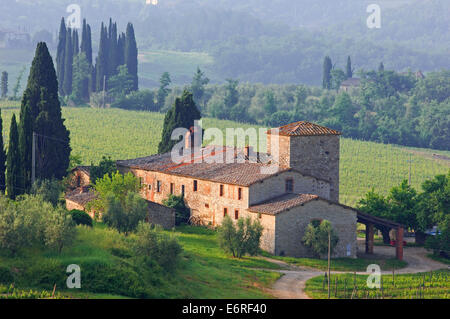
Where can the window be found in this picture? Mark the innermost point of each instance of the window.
(140, 180)
(207, 205)
(289, 185)
(195, 186)
(172, 187)
(240, 193)
(158, 186)
(236, 214)
(259, 215)
(225, 212)
(150, 187)
(221, 190)
(182, 190)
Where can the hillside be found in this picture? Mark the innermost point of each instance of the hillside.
(125, 134)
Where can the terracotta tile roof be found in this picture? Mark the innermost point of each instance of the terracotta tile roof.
(242, 171)
(303, 128)
(81, 197)
(282, 203)
(86, 169)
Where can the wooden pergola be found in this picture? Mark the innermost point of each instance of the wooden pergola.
(371, 221)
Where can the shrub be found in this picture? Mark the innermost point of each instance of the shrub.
(142, 100)
(240, 239)
(49, 190)
(81, 218)
(182, 213)
(6, 275)
(59, 229)
(125, 216)
(152, 244)
(316, 237)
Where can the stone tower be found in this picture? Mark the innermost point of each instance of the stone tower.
(309, 148)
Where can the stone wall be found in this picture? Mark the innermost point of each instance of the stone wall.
(205, 203)
(161, 215)
(291, 226)
(275, 186)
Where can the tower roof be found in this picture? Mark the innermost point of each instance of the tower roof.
(303, 128)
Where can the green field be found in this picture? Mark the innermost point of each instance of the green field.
(125, 134)
(109, 272)
(180, 65)
(430, 285)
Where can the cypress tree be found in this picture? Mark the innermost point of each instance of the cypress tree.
(60, 55)
(76, 43)
(25, 143)
(131, 55)
(121, 49)
(86, 49)
(2, 158)
(327, 66)
(183, 114)
(112, 52)
(381, 67)
(4, 85)
(349, 71)
(68, 64)
(41, 97)
(101, 64)
(13, 176)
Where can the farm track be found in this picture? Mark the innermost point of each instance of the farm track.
(292, 284)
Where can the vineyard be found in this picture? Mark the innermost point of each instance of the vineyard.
(429, 285)
(125, 134)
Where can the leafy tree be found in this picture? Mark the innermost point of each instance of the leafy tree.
(326, 77)
(59, 229)
(131, 55)
(377, 205)
(153, 245)
(337, 77)
(182, 212)
(81, 74)
(182, 114)
(49, 190)
(117, 186)
(125, 216)
(4, 85)
(198, 86)
(240, 239)
(17, 86)
(14, 172)
(316, 238)
(105, 167)
(13, 233)
(2, 158)
(270, 105)
(231, 93)
(81, 218)
(164, 90)
(279, 118)
(121, 84)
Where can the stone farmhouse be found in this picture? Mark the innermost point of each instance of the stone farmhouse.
(294, 183)
(304, 186)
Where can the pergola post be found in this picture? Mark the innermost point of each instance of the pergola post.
(399, 244)
(369, 238)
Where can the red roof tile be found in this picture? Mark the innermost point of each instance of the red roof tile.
(303, 128)
(282, 203)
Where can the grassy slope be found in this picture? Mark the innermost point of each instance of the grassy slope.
(127, 134)
(436, 286)
(205, 271)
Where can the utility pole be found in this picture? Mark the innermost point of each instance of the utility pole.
(33, 160)
(329, 262)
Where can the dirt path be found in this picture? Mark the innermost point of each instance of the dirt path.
(292, 284)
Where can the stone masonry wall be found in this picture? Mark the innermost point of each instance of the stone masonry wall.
(275, 186)
(291, 226)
